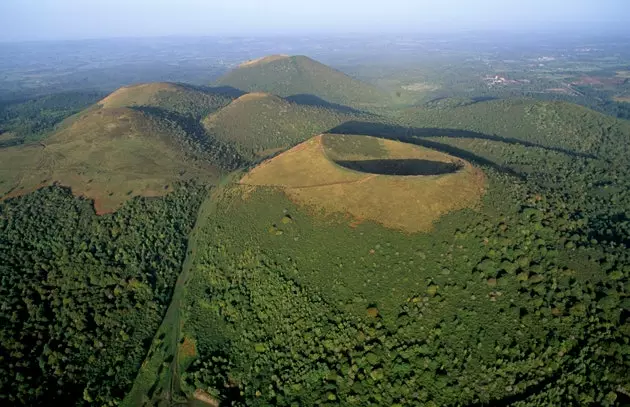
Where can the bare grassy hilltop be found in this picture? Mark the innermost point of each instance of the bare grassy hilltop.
(106, 154)
(176, 98)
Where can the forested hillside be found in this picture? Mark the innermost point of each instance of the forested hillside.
(512, 305)
(470, 252)
(303, 79)
(29, 120)
(579, 154)
(523, 301)
(550, 124)
(181, 99)
(258, 123)
(81, 295)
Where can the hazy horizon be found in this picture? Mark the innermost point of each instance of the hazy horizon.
(31, 20)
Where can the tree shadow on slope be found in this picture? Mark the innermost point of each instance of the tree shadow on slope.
(401, 167)
(400, 133)
(312, 100)
(389, 131)
(452, 101)
(11, 142)
(228, 91)
(190, 135)
(418, 136)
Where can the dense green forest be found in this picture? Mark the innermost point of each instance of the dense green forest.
(243, 297)
(579, 154)
(525, 302)
(32, 119)
(514, 305)
(81, 295)
(187, 133)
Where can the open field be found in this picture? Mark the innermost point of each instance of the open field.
(6, 136)
(411, 203)
(421, 87)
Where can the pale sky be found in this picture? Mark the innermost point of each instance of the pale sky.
(79, 19)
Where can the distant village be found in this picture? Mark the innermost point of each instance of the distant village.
(501, 80)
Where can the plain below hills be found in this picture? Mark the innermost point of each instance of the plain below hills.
(304, 80)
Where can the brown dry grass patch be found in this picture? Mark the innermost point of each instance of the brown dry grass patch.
(421, 87)
(206, 398)
(252, 96)
(108, 155)
(188, 349)
(409, 203)
(263, 60)
(6, 136)
(625, 99)
(143, 94)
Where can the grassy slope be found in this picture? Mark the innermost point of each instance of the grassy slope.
(259, 122)
(107, 154)
(181, 99)
(139, 140)
(299, 75)
(309, 176)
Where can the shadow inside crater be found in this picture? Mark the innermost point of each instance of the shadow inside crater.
(401, 167)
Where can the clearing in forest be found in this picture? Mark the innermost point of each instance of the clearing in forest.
(398, 185)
